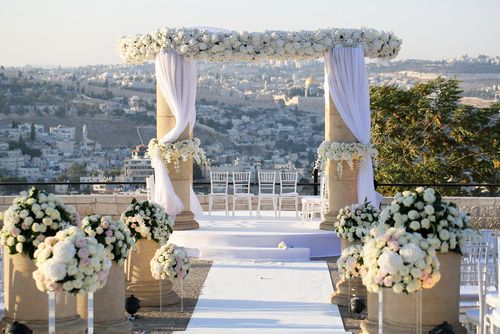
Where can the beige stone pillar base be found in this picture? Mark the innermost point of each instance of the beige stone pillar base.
(109, 309)
(328, 222)
(370, 324)
(441, 303)
(140, 282)
(28, 305)
(185, 221)
(341, 294)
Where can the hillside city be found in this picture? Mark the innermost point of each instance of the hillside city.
(93, 123)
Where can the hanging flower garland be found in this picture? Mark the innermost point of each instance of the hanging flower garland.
(177, 152)
(349, 152)
(201, 44)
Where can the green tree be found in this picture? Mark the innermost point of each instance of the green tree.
(33, 133)
(73, 173)
(424, 135)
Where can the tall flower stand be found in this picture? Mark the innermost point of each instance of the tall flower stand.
(109, 301)
(341, 295)
(441, 303)
(26, 304)
(140, 282)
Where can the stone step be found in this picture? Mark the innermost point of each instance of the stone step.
(255, 253)
(261, 330)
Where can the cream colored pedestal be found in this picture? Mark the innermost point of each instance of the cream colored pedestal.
(342, 190)
(341, 294)
(28, 305)
(182, 181)
(140, 282)
(441, 303)
(109, 305)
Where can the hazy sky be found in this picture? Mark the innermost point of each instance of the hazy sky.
(79, 32)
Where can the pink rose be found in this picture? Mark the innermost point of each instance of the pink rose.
(85, 261)
(133, 225)
(109, 233)
(25, 226)
(83, 253)
(80, 242)
(15, 232)
(393, 245)
(105, 224)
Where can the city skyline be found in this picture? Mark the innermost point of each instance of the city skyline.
(81, 33)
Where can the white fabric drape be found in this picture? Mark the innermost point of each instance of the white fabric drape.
(176, 77)
(346, 79)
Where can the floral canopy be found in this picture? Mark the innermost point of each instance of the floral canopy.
(224, 45)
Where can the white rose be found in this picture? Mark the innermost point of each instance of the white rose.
(444, 235)
(415, 225)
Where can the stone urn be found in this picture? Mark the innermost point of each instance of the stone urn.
(370, 323)
(441, 303)
(109, 304)
(341, 294)
(28, 305)
(140, 282)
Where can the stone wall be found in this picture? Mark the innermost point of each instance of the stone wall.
(485, 211)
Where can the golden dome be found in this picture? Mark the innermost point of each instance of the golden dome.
(311, 81)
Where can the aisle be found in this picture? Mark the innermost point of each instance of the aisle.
(271, 297)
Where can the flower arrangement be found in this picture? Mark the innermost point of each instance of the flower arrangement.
(170, 261)
(423, 211)
(72, 262)
(33, 216)
(177, 152)
(354, 221)
(396, 259)
(201, 44)
(350, 262)
(114, 235)
(348, 152)
(148, 220)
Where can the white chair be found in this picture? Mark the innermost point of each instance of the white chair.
(288, 190)
(267, 184)
(241, 190)
(150, 187)
(475, 253)
(312, 205)
(219, 184)
(476, 320)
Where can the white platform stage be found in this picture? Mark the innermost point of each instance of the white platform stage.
(251, 238)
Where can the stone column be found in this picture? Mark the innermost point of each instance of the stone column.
(182, 180)
(28, 305)
(109, 301)
(139, 280)
(342, 190)
(369, 325)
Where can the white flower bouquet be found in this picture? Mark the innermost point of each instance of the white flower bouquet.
(396, 259)
(148, 220)
(113, 234)
(170, 261)
(354, 221)
(72, 262)
(441, 223)
(352, 153)
(33, 216)
(177, 152)
(201, 44)
(350, 262)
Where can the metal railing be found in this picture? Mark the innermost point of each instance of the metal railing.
(314, 186)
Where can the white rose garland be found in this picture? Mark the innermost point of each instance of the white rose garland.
(177, 152)
(170, 261)
(148, 220)
(352, 153)
(355, 220)
(72, 262)
(33, 216)
(113, 234)
(202, 44)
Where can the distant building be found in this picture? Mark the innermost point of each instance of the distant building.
(137, 166)
(62, 132)
(311, 87)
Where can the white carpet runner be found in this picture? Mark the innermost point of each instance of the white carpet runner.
(270, 297)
